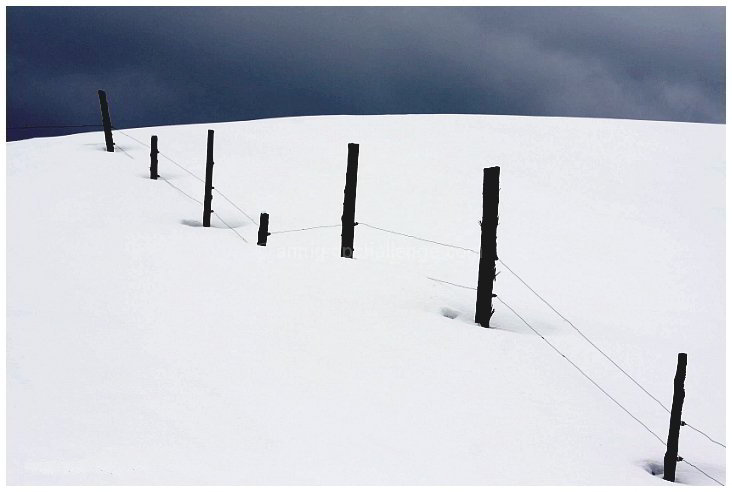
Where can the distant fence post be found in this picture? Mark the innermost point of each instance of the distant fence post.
(208, 190)
(488, 254)
(263, 229)
(348, 219)
(154, 157)
(672, 444)
(106, 122)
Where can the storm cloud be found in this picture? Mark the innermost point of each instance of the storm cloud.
(164, 66)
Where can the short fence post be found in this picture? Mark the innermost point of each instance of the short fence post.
(154, 157)
(672, 444)
(263, 229)
(208, 190)
(106, 122)
(348, 219)
(488, 254)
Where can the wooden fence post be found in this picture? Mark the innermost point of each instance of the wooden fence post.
(348, 219)
(208, 190)
(672, 444)
(154, 157)
(106, 122)
(263, 229)
(488, 255)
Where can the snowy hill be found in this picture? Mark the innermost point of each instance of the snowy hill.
(145, 349)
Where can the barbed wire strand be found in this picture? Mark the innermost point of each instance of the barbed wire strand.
(124, 151)
(417, 238)
(232, 229)
(164, 156)
(306, 229)
(236, 207)
(180, 190)
(450, 283)
(686, 424)
(604, 354)
(581, 371)
(584, 336)
(702, 472)
(218, 192)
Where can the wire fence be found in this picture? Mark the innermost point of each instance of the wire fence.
(583, 373)
(602, 352)
(417, 238)
(702, 471)
(509, 307)
(169, 183)
(634, 417)
(173, 161)
(580, 332)
(580, 370)
(306, 229)
(563, 317)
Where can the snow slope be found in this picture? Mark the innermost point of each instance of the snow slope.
(145, 349)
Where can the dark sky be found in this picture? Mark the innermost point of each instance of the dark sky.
(164, 66)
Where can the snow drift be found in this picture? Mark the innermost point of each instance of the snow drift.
(143, 348)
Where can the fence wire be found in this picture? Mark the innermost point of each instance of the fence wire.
(684, 460)
(183, 192)
(556, 311)
(602, 352)
(581, 371)
(215, 190)
(306, 229)
(417, 238)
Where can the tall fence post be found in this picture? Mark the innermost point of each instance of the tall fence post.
(154, 157)
(106, 122)
(263, 229)
(208, 190)
(488, 254)
(348, 219)
(672, 444)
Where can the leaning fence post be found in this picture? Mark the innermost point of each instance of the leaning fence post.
(672, 444)
(348, 219)
(488, 254)
(208, 190)
(106, 122)
(154, 157)
(263, 229)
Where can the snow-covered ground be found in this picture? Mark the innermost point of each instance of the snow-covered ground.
(145, 349)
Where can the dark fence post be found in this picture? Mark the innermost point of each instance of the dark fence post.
(263, 229)
(208, 190)
(672, 444)
(106, 122)
(488, 254)
(154, 157)
(348, 219)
